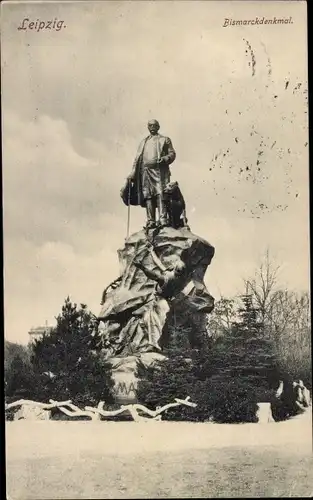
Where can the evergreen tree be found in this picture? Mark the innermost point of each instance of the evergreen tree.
(248, 356)
(67, 361)
(161, 383)
(244, 368)
(172, 377)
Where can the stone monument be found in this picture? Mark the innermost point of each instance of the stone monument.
(162, 268)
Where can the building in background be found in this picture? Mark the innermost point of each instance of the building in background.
(37, 332)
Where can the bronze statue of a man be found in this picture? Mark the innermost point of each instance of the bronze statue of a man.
(151, 173)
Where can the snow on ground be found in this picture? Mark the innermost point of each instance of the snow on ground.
(96, 460)
(42, 438)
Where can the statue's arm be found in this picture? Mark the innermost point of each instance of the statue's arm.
(132, 174)
(136, 160)
(133, 171)
(170, 155)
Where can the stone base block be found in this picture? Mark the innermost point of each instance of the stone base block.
(264, 413)
(123, 373)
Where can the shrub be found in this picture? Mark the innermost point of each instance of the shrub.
(68, 363)
(18, 372)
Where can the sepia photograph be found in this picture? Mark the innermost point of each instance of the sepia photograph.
(157, 321)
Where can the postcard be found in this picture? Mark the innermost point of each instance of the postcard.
(156, 249)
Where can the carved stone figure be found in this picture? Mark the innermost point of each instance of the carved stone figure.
(150, 175)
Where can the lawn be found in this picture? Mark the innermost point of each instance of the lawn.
(81, 460)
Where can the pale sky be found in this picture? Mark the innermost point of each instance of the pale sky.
(75, 106)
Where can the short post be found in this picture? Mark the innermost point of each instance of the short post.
(264, 413)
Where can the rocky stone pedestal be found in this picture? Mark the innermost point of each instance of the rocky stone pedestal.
(157, 273)
(161, 280)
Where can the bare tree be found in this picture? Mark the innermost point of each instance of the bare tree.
(264, 290)
(221, 320)
(285, 316)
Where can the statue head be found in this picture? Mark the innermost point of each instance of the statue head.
(153, 126)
